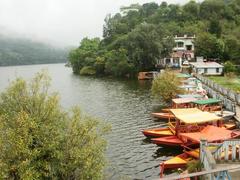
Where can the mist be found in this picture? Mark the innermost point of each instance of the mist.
(60, 22)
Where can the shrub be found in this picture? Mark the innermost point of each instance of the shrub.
(87, 70)
(229, 67)
(166, 86)
(39, 140)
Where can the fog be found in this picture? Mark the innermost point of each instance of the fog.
(60, 22)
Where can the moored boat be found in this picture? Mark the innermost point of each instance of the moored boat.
(163, 115)
(187, 121)
(157, 132)
(147, 75)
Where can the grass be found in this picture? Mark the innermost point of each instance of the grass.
(231, 83)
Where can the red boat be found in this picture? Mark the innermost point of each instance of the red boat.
(168, 141)
(187, 121)
(188, 126)
(210, 133)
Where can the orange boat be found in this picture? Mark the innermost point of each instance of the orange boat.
(176, 103)
(188, 121)
(179, 161)
(158, 132)
(171, 129)
(163, 115)
(210, 133)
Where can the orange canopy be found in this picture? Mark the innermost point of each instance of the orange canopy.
(211, 134)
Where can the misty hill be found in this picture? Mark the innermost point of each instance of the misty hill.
(17, 51)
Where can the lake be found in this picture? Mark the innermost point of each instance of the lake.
(125, 104)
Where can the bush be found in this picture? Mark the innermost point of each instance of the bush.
(39, 140)
(229, 67)
(87, 70)
(166, 86)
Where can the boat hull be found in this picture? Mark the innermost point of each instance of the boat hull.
(167, 141)
(157, 132)
(164, 115)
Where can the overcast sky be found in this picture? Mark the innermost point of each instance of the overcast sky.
(61, 22)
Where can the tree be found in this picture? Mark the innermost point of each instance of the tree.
(166, 86)
(39, 140)
(209, 46)
(85, 54)
(229, 67)
(146, 45)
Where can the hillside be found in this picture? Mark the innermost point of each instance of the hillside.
(17, 51)
(139, 35)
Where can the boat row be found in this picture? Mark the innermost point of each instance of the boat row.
(190, 118)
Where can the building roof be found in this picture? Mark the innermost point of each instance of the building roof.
(206, 65)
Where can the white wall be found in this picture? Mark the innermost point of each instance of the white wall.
(210, 71)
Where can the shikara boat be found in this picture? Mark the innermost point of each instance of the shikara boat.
(188, 121)
(163, 115)
(179, 161)
(176, 103)
(170, 130)
(158, 132)
(210, 104)
(147, 75)
(211, 134)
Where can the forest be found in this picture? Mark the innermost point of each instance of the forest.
(136, 37)
(20, 51)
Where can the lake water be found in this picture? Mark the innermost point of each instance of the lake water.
(125, 104)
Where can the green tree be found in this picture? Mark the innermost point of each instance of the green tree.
(39, 140)
(229, 67)
(166, 86)
(209, 46)
(85, 54)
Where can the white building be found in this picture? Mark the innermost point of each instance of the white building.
(183, 50)
(207, 68)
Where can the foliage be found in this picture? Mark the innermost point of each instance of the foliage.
(229, 67)
(209, 46)
(16, 51)
(166, 86)
(39, 140)
(194, 166)
(87, 70)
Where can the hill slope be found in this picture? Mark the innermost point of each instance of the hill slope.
(17, 51)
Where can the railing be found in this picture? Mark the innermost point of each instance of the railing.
(228, 96)
(227, 151)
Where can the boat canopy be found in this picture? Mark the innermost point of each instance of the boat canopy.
(183, 100)
(187, 86)
(197, 96)
(207, 101)
(211, 134)
(181, 75)
(194, 116)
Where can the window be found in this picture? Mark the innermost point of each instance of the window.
(189, 47)
(205, 70)
(217, 70)
(180, 44)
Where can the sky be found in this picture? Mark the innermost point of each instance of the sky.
(60, 22)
